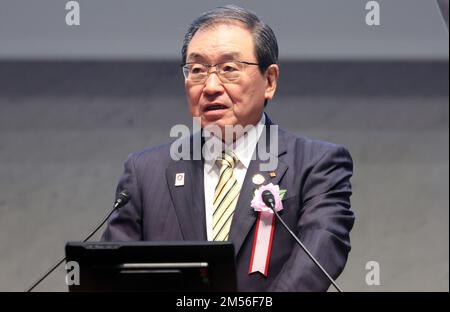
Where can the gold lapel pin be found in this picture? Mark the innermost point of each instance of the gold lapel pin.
(272, 174)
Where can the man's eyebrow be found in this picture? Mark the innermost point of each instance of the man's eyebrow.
(197, 57)
(194, 57)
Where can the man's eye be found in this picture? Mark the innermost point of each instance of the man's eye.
(196, 70)
(229, 68)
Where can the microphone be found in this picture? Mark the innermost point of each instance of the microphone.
(269, 200)
(121, 199)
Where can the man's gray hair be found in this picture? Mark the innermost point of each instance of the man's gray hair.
(266, 47)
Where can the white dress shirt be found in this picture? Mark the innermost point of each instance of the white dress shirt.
(243, 148)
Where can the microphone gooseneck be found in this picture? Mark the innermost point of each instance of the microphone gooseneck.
(121, 199)
(269, 200)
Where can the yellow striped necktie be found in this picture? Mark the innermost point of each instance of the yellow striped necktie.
(225, 198)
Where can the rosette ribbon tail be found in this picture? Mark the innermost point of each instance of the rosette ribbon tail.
(262, 243)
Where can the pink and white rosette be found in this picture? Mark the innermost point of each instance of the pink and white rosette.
(265, 226)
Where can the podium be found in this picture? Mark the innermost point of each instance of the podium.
(153, 266)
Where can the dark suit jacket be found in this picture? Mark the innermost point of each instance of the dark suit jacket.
(316, 205)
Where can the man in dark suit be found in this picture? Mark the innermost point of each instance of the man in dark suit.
(230, 70)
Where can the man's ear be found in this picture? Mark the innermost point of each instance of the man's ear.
(271, 76)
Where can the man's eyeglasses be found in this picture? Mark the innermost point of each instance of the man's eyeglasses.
(228, 72)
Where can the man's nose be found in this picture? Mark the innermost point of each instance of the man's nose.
(213, 84)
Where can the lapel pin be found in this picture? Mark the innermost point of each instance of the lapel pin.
(272, 174)
(179, 179)
(258, 179)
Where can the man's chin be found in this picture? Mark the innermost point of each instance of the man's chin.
(220, 123)
(225, 131)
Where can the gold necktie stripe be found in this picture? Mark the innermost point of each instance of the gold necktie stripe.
(222, 231)
(225, 198)
(219, 192)
(225, 204)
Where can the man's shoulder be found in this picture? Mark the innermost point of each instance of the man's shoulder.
(166, 154)
(309, 147)
(152, 155)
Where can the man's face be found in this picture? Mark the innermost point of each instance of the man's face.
(242, 102)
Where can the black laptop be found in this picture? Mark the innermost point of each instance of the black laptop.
(153, 266)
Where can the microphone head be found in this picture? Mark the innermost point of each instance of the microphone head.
(122, 198)
(268, 199)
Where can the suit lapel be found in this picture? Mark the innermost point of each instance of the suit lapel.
(244, 216)
(189, 199)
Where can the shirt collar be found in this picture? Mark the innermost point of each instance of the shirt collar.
(243, 147)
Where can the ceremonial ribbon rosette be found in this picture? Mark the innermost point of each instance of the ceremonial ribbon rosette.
(265, 226)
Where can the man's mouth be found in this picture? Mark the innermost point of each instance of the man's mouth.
(214, 107)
